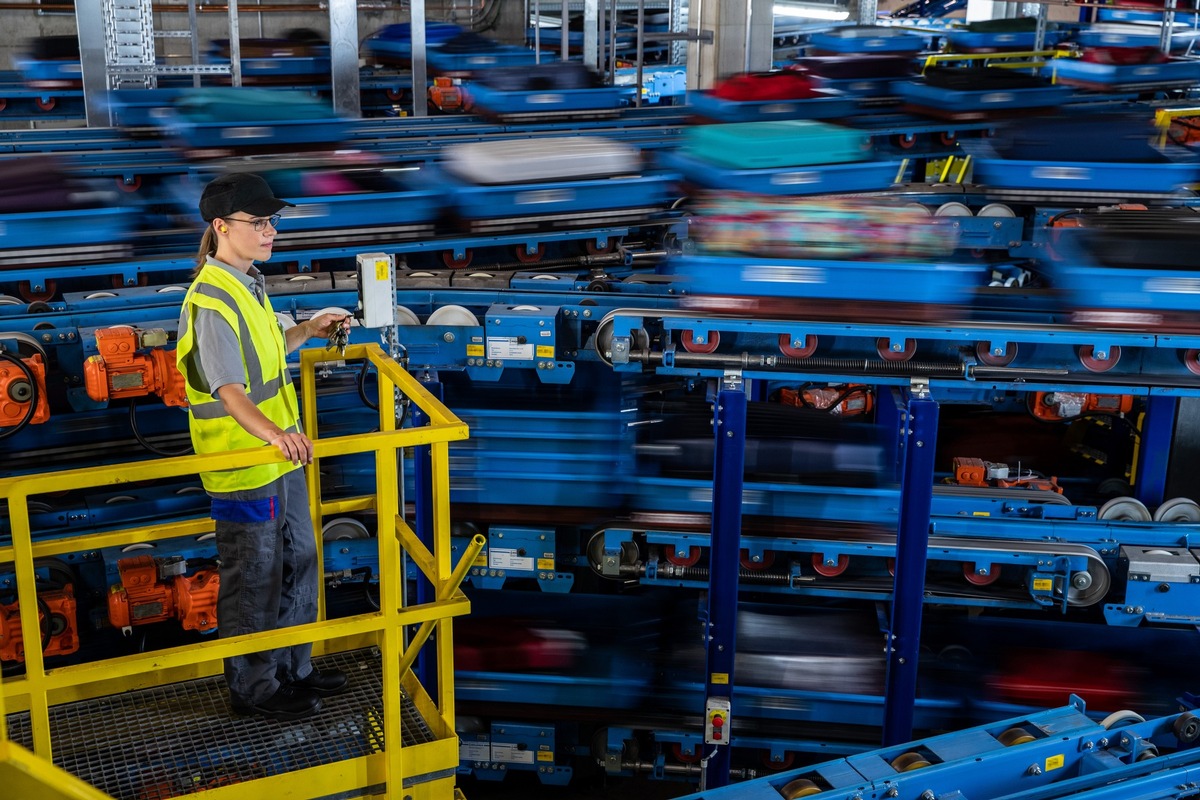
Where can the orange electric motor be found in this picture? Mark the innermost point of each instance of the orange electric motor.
(133, 363)
(146, 595)
(56, 616)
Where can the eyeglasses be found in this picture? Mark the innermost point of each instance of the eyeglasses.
(259, 224)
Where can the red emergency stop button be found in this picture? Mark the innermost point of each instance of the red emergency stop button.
(718, 720)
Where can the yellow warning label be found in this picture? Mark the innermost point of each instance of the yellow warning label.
(545, 351)
(481, 559)
(545, 755)
(1043, 584)
(545, 563)
(1054, 762)
(475, 350)
(719, 677)
(981, 513)
(381, 269)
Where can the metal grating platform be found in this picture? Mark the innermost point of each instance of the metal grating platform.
(181, 739)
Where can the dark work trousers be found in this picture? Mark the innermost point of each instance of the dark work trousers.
(268, 580)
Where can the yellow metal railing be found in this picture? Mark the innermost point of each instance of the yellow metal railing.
(38, 689)
(1016, 59)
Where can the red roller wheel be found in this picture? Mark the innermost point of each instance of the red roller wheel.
(906, 141)
(830, 571)
(1191, 360)
(891, 567)
(883, 347)
(690, 757)
(3, 103)
(985, 355)
(786, 762)
(46, 104)
(457, 263)
(973, 577)
(130, 185)
(788, 347)
(671, 554)
(25, 289)
(1088, 358)
(768, 558)
(596, 249)
(394, 94)
(948, 138)
(525, 257)
(687, 339)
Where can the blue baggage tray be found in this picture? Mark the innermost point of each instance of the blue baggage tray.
(361, 210)
(502, 56)
(997, 40)
(1071, 70)
(1125, 288)
(860, 87)
(1131, 177)
(860, 176)
(706, 105)
(255, 134)
(867, 40)
(1134, 38)
(500, 102)
(922, 94)
(475, 201)
(281, 66)
(856, 281)
(75, 226)
(52, 70)
(140, 108)
(1127, 15)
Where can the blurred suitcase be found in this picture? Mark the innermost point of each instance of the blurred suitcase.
(224, 104)
(540, 78)
(759, 86)
(37, 183)
(981, 79)
(1119, 138)
(783, 143)
(531, 160)
(856, 67)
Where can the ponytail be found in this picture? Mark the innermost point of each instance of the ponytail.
(208, 247)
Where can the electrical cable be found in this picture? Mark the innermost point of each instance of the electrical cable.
(146, 443)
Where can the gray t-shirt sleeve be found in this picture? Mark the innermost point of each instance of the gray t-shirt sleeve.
(218, 356)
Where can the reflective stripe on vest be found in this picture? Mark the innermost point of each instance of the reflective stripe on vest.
(268, 386)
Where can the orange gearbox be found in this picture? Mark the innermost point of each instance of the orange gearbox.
(17, 392)
(59, 630)
(133, 363)
(145, 596)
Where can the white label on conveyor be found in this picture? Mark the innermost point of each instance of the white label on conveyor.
(1147, 71)
(509, 754)
(509, 347)
(542, 196)
(246, 132)
(474, 751)
(782, 273)
(796, 178)
(1062, 173)
(780, 108)
(1172, 285)
(546, 98)
(998, 97)
(507, 558)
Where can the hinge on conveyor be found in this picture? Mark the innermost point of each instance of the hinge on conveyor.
(919, 387)
(732, 382)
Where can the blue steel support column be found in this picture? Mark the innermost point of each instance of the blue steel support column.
(423, 524)
(912, 541)
(1154, 449)
(729, 426)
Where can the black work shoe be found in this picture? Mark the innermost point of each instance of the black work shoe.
(324, 684)
(288, 702)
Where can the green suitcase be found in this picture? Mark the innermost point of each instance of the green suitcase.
(782, 143)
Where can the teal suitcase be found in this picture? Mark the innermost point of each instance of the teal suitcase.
(782, 143)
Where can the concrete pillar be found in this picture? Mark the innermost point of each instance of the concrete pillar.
(743, 39)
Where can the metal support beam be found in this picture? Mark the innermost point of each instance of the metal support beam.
(912, 540)
(423, 498)
(343, 52)
(420, 76)
(1154, 449)
(89, 17)
(729, 432)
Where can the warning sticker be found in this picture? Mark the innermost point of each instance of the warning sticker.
(511, 754)
(474, 751)
(507, 558)
(509, 347)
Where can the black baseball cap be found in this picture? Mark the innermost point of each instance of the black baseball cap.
(239, 191)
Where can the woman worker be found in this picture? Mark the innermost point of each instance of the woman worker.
(232, 352)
